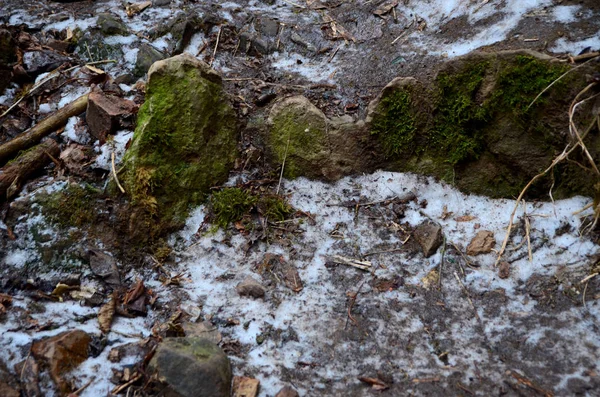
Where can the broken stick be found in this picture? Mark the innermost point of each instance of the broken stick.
(45, 127)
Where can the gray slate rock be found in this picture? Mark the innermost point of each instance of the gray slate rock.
(110, 24)
(429, 236)
(146, 56)
(192, 367)
(37, 62)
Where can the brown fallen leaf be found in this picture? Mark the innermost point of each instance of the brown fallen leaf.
(106, 314)
(385, 8)
(134, 9)
(245, 387)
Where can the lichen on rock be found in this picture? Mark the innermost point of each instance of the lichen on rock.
(185, 140)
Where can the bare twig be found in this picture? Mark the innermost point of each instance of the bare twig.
(114, 172)
(216, 45)
(362, 265)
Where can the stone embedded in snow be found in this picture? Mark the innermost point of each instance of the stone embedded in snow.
(429, 236)
(61, 354)
(107, 113)
(482, 243)
(203, 330)
(250, 287)
(41, 61)
(105, 267)
(504, 270)
(245, 387)
(192, 367)
(287, 391)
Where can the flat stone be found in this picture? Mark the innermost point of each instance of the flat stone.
(287, 391)
(204, 330)
(107, 113)
(110, 24)
(61, 354)
(245, 387)
(250, 287)
(482, 243)
(192, 367)
(105, 267)
(37, 62)
(429, 236)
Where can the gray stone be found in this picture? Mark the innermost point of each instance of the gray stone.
(192, 367)
(250, 287)
(268, 27)
(8, 48)
(296, 38)
(160, 3)
(37, 62)
(429, 236)
(146, 56)
(110, 24)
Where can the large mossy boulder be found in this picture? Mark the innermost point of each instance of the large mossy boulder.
(191, 367)
(473, 125)
(185, 140)
(307, 143)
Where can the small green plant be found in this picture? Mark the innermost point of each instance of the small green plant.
(275, 207)
(395, 124)
(230, 205)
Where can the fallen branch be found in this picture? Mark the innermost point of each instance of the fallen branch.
(45, 127)
(13, 175)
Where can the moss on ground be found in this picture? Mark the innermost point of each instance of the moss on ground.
(233, 204)
(74, 206)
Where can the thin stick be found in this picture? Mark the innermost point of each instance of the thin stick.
(114, 172)
(466, 291)
(441, 263)
(573, 128)
(556, 81)
(584, 291)
(557, 160)
(216, 45)
(588, 278)
(283, 163)
(362, 265)
(335, 52)
(527, 228)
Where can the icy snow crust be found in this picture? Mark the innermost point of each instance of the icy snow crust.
(339, 350)
(309, 339)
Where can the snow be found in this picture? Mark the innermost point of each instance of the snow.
(73, 133)
(566, 14)
(564, 45)
(312, 69)
(117, 145)
(212, 255)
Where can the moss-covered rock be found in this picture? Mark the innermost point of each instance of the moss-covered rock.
(473, 124)
(185, 141)
(312, 145)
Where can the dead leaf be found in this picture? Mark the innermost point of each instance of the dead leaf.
(376, 383)
(106, 314)
(94, 69)
(385, 8)
(133, 9)
(62, 289)
(245, 387)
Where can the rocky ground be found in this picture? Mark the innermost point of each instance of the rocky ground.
(349, 282)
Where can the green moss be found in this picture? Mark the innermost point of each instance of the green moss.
(230, 205)
(73, 206)
(185, 143)
(300, 139)
(395, 123)
(520, 81)
(459, 118)
(274, 207)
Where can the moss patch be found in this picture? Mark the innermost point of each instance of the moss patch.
(456, 133)
(230, 205)
(395, 126)
(74, 206)
(298, 135)
(482, 135)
